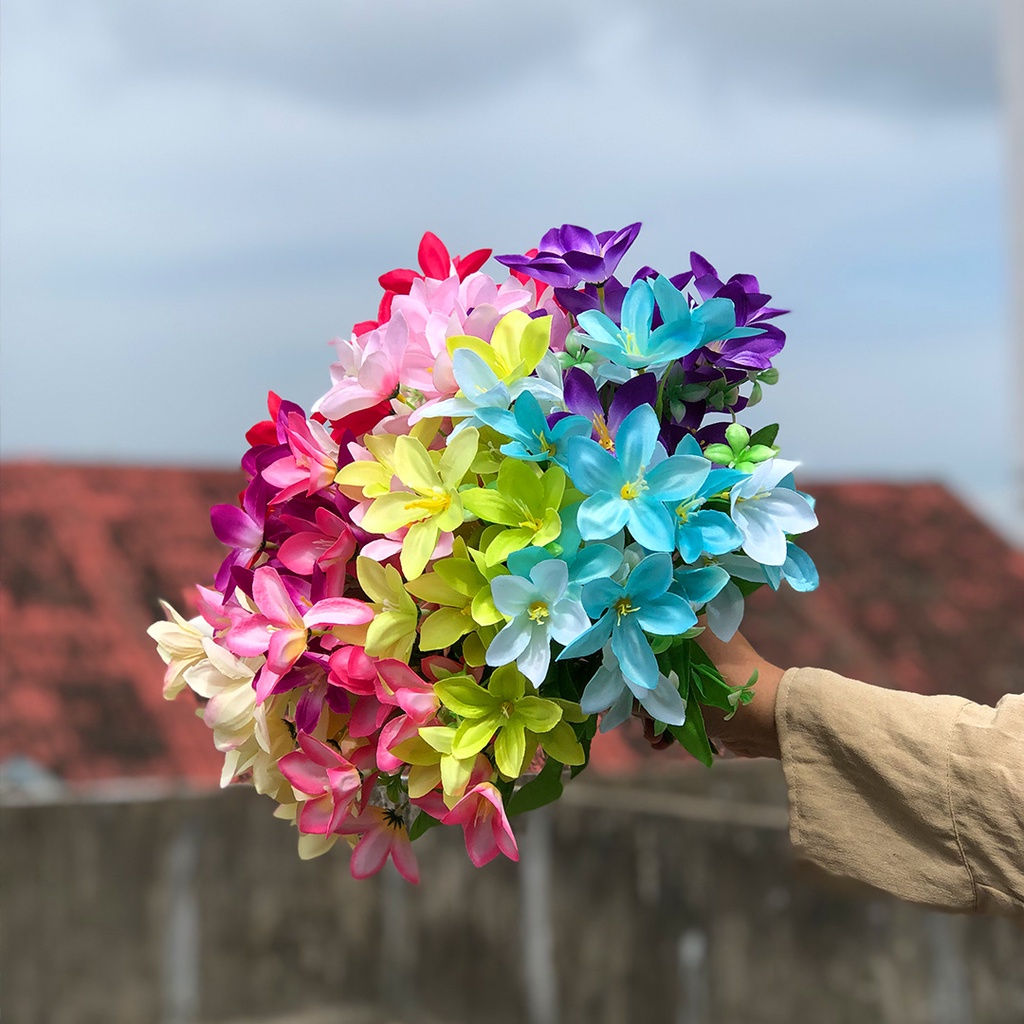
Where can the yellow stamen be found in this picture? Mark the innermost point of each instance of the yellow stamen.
(623, 607)
(604, 438)
(538, 611)
(432, 505)
(632, 490)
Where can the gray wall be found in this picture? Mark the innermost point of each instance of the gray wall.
(678, 902)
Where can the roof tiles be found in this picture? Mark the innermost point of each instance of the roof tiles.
(916, 593)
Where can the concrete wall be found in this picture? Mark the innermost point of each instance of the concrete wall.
(680, 903)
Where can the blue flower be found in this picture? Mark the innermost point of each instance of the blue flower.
(533, 440)
(699, 529)
(630, 488)
(611, 691)
(683, 330)
(625, 612)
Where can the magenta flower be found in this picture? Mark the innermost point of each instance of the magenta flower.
(281, 629)
(571, 255)
(482, 817)
(328, 544)
(312, 463)
(320, 772)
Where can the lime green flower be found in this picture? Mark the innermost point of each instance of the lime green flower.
(503, 711)
(432, 506)
(431, 759)
(524, 500)
(392, 630)
(560, 742)
(463, 592)
(738, 452)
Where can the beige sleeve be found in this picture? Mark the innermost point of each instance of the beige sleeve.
(922, 796)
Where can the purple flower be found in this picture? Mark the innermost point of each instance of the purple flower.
(571, 255)
(581, 398)
(752, 310)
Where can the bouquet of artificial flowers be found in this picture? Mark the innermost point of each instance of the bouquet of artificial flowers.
(495, 530)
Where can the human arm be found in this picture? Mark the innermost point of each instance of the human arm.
(922, 796)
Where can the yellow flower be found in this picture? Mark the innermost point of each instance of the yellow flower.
(433, 504)
(516, 347)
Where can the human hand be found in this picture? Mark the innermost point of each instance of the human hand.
(750, 731)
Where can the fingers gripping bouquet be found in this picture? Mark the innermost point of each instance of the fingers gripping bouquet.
(496, 529)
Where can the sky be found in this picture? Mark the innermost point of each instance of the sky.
(199, 195)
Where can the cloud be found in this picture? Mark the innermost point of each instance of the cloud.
(401, 57)
(198, 196)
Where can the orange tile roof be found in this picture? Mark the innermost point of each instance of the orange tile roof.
(916, 593)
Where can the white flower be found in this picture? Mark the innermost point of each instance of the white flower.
(765, 512)
(541, 608)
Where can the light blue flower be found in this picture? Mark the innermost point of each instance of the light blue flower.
(480, 389)
(611, 691)
(541, 609)
(699, 586)
(765, 512)
(799, 571)
(533, 440)
(698, 529)
(625, 611)
(635, 345)
(630, 488)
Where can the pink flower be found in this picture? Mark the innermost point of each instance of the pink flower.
(312, 464)
(382, 834)
(281, 629)
(328, 546)
(368, 370)
(482, 817)
(319, 771)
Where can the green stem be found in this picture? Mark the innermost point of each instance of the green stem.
(660, 404)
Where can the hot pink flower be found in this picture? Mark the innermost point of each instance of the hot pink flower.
(312, 464)
(329, 545)
(382, 834)
(482, 817)
(281, 629)
(319, 771)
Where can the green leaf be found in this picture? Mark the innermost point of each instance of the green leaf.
(422, 823)
(584, 733)
(545, 788)
(746, 587)
(693, 735)
(766, 435)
